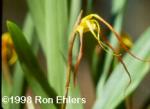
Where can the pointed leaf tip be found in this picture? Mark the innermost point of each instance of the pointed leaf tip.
(8, 23)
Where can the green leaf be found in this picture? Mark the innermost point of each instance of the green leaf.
(115, 89)
(62, 23)
(18, 77)
(74, 12)
(28, 61)
(75, 93)
(55, 42)
(118, 5)
(36, 9)
(5, 92)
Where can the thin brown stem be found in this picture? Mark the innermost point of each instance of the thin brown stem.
(128, 102)
(69, 68)
(119, 58)
(78, 59)
(68, 75)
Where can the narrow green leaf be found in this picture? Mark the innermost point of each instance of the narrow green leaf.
(118, 5)
(36, 9)
(74, 92)
(55, 42)
(62, 23)
(74, 12)
(5, 92)
(115, 89)
(89, 6)
(18, 77)
(28, 61)
(52, 41)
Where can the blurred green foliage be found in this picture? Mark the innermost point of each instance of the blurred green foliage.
(47, 27)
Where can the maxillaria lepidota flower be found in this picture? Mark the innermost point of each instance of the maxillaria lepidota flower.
(9, 56)
(90, 23)
(8, 50)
